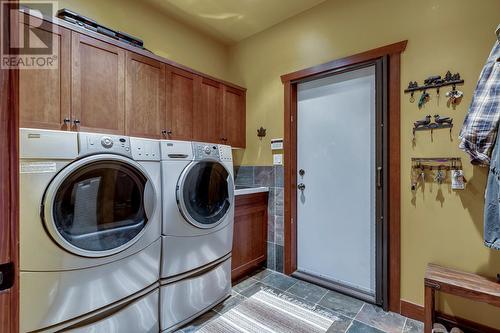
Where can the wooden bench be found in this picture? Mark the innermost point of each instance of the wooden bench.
(454, 282)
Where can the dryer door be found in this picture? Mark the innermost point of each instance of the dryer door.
(205, 193)
(99, 205)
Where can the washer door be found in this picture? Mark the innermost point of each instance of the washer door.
(99, 205)
(205, 193)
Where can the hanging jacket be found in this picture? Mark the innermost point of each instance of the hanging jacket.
(480, 127)
(492, 201)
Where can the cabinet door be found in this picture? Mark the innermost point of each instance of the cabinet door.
(181, 92)
(250, 234)
(145, 96)
(233, 117)
(98, 86)
(206, 126)
(44, 94)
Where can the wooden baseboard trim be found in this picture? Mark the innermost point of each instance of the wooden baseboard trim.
(415, 311)
(244, 270)
(412, 310)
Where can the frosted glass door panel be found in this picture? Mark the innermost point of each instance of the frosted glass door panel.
(336, 138)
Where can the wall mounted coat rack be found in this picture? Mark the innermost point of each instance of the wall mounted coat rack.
(436, 82)
(427, 125)
(436, 163)
(440, 165)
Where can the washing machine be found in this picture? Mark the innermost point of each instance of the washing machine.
(90, 223)
(197, 231)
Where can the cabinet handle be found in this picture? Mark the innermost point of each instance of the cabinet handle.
(165, 132)
(67, 121)
(76, 122)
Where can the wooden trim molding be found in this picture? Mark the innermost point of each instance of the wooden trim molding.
(290, 81)
(412, 310)
(9, 202)
(416, 312)
(394, 181)
(395, 48)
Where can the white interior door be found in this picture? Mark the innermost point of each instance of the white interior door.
(336, 149)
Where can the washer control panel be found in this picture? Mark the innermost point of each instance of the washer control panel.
(106, 142)
(205, 150)
(92, 143)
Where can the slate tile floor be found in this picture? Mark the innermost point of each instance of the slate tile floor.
(355, 316)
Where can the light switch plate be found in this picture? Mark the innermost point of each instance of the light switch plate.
(276, 144)
(278, 159)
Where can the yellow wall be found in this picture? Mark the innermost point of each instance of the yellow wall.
(438, 225)
(161, 34)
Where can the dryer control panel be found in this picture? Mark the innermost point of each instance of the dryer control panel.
(225, 153)
(93, 143)
(205, 150)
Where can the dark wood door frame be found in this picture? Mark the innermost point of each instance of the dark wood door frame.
(9, 213)
(290, 81)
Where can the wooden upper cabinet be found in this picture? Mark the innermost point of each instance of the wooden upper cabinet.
(44, 94)
(181, 92)
(145, 97)
(98, 85)
(206, 125)
(233, 117)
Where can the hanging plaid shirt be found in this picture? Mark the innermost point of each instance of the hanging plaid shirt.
(480, 127)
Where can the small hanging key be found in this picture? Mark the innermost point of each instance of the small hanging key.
(423, 99)
(440, 176)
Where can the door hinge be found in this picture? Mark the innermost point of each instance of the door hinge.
(291, 119)
(6, 276)
(291, 220)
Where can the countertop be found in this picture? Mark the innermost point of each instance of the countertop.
(242, 190)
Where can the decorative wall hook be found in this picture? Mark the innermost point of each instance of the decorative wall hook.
(426, 124)
(433, 82)
(439, 165)
(261, 132)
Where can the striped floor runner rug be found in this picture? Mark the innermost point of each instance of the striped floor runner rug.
(267, 313)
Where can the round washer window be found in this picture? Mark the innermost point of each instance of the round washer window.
(205, 193)
(100, 206)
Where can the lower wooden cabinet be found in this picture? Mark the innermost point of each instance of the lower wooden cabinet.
(250, 234)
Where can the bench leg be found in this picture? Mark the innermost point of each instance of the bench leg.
(429, 310)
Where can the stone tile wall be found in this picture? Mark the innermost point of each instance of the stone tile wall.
(272, 177)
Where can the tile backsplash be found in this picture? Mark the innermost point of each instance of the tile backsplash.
(272, 177)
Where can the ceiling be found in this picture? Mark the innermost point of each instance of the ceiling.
(232, 20)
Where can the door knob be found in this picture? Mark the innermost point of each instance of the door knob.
(301, 186)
